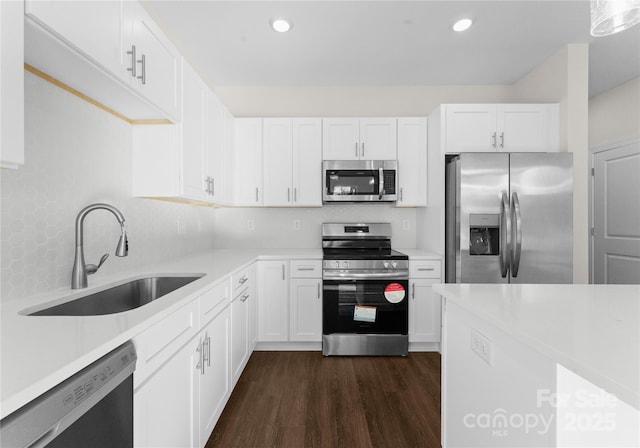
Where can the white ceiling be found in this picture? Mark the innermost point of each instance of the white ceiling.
(399, 43)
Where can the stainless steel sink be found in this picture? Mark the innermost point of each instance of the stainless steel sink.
(124, 297)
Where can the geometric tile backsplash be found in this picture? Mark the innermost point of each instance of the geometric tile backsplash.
(75, 155)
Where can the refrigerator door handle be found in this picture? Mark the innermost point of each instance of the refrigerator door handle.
(516, 237)
(505, 235)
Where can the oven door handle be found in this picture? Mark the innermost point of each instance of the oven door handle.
(371, 275)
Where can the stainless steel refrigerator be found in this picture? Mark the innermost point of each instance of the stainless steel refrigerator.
(509, 218)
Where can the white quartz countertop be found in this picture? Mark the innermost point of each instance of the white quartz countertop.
(592, 330)
(38, 352)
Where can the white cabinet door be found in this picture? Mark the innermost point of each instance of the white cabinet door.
(215, 383)
(194, 158)
(378, 139)
(340, 139)
(214, 153)
(165, 410)
(239, 333)
(412, 162)
(93, 28)
(305, 310)
(273, 314)
(307, 162)
(527, 127)
(470, 128)
(248, 162)
(278, 161)
(11, 84)
(424, 311)
(158, 62)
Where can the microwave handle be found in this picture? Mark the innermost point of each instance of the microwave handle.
(381, 184)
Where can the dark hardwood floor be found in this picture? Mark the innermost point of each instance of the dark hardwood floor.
(305, 400)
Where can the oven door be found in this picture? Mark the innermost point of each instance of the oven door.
(376, 306)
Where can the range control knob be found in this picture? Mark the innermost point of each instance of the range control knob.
(385, 264)
(336, 264)
(394, 265)
(345, 265)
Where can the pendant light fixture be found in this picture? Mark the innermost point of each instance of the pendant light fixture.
(612, 16)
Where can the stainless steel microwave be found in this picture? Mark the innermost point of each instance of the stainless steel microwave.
(360, 180)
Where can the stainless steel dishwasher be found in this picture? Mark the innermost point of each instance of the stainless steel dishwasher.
(93, 408)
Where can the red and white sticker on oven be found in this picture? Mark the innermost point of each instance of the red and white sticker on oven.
(394, 293)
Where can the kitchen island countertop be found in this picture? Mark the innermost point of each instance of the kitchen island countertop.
(592, 330)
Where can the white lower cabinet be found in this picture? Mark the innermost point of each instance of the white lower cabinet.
(188, 364)
(305, 301)
(212, 374)
(424, 303)
(273, 313)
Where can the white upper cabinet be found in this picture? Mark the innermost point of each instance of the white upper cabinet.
(501, 127)
(248, 162)
(217, 153)
(96, 29)
(157, 60)
(110, 51)
(359, 139)
(412, 162)
(11, 85)
(292, 162)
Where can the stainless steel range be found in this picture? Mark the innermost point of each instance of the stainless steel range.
(365, 283)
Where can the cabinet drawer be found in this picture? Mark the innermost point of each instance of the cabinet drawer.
(214, 301)
(157, 344)
(241, 280)
(425, 269)
(306, 268)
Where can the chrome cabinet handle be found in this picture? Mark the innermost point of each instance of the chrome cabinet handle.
(502, 140)
(256, 194)
(288, 194)
(132, 69)
(305, 268)
(295, 194)
(207, 182)
(143, 63)
(426, 269)
(208, 351)
(505, 235)
(494, 139)
(213, 186)
(516, 235)
(200, 364)
(243, 280)
(244, 297)
(401, 191)
(356, 149)
(362, 149)
(318, 290)
(413, 291)
(283, 277)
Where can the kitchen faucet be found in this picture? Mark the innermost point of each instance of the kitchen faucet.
(80, 269)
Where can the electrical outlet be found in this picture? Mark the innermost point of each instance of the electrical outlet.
(481, 346)
(405, 224)
(251, 225)
(296, 224)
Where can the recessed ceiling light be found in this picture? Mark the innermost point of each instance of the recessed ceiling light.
(281, 25)
(462, 25)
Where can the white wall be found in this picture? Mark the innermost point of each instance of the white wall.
(563, 78)
(77, 154)
(614, 115)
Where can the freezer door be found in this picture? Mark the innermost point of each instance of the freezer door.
(483, 184)
(541, 217)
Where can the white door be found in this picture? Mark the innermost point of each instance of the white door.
(215, 383)
(616, 215)
(412, 162)
(307, 162)
(239, 333)
(470, 128)
(378, 139)
(277, 160)
(527, 127)
(424, 311)
(340, 139)
(193, 135)
(306, 310)
(273, 289)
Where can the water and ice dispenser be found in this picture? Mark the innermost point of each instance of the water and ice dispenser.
(484, 234)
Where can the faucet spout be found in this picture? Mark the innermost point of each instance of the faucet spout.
(79, 272)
